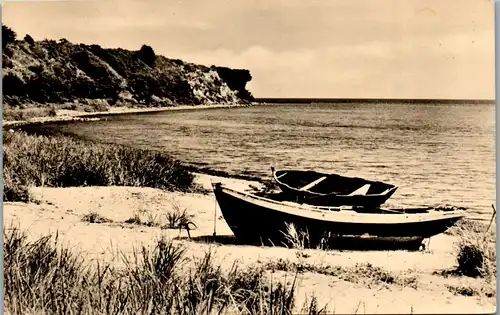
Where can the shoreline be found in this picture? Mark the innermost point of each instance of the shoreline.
(69, 115)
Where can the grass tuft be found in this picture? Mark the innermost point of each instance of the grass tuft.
(475, 250)
(94, 217)
(296, 238)
(487, 290)
(136, 219)
(179, 218)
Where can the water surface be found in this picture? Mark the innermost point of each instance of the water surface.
(435, 153)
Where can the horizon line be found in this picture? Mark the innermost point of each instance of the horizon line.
(369, 99)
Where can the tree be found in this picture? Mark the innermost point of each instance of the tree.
(29, 39)
(8, 36)
(147, 55)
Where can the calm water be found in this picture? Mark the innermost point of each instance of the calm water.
(436, 154)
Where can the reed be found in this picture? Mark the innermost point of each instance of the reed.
(44, 277)
(59, 161)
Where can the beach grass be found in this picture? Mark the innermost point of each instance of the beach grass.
(365, 273)
(45, 277)
(177, 218)
(476, 249)
(22, 114)
(59, 161)
(94, 217)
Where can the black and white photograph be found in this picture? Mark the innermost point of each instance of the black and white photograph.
(249, 157)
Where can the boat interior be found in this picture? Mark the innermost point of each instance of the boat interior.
(327, 184)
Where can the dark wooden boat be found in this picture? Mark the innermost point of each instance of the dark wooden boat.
(323, 189)
(255, 219)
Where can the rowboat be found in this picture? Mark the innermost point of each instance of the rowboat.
(257, 219)
(322, 189)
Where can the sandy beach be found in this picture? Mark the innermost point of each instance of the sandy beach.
(74, 115)
(426, 291)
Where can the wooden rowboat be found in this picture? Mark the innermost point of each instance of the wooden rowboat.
(322, 189)
(255, 219)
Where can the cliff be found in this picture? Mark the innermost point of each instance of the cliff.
(60, 72)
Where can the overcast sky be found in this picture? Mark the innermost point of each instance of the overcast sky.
(306, 48)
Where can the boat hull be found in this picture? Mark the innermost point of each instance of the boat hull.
(256, 220)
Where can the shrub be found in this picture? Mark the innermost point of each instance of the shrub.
(13, 85)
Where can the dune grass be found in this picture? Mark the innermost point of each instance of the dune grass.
(476, 249)
(475, 252)
(94, 217)
(177, 217)
(44, 277)
(59, 161)
(364, 273)
(21, 114)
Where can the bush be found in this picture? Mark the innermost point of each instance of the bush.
(63, 162)
(46, 88)
(13, 85)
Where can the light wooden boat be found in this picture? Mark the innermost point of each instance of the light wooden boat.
(256, 219)
(324, 189)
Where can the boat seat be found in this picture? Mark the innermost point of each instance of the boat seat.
(386, 191)
(281, 175)
(314, 183)
(360, 191)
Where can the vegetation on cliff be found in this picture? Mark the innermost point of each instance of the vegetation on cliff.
(60, 72)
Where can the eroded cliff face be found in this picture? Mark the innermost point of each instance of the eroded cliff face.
(60, 72)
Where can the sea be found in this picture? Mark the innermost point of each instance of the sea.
(437, 154)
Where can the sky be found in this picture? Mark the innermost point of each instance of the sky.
(295, 48)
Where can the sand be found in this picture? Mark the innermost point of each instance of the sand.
(61, 210)
(74, 115)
